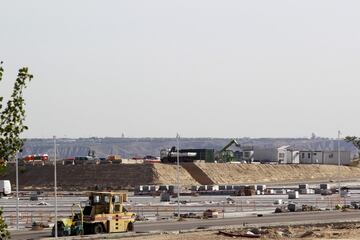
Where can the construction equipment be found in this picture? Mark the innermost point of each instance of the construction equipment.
(114, 159)
(207, 155)
(225, 154)
(187, 155)
(210, 213)
(170, 155)
(74, 225)
(105, 213)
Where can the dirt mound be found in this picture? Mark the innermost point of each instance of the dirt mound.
(90, 177)
(197, 173)
(166, 174)
(355, 163)
(228, 173)
(123, 176)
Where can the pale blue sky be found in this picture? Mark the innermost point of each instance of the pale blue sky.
(202, 68)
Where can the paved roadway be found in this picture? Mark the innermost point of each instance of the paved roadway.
(273, 219)
(264, 220)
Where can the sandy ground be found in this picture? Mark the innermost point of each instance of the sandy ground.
(120, 176)
(227, 173)
(331, 231)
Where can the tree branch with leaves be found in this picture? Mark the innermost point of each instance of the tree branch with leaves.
(4, 233)
(355, 141)
(12, 117)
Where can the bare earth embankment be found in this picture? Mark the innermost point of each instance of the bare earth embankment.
(228, 173)
(91, 177)
(120, 176)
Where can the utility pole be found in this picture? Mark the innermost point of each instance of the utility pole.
(17, 190)
(178, 173)
(339, 163)
(55, 189)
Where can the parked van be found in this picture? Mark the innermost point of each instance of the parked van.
(5, 187)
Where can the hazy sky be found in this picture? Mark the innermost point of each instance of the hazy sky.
(202, 68)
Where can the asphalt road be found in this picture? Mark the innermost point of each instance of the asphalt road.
(264, 220)
(311, 217)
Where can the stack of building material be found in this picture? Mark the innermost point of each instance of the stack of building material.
(212, 188)
(138, 189)
(164, 197)
(293, 195)
(261, 188)
(164, 188)
(154, 188)
(229, 187)
(249, 190)
(293, 207)
(325, 189)
(195, 188)
(132, 161)
(280, 191)
(303, 186)
(146, 189)
(324, 186)
(270, 191)
(202, 188)
(317, 191)
(171, 188)
(305, 189)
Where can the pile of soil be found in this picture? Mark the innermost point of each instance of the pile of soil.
(96, 177)
(128, 176)
(228, 173)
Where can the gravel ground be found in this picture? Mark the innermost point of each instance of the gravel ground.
(330, 231)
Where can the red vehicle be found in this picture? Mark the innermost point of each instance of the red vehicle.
(36, 158)
(151, 159)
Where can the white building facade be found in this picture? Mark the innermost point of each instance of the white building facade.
(325, 157)
(281, 155)
(246, 154)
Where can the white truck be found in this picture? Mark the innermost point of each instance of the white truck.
(5, 188)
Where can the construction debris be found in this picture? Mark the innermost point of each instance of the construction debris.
(210, 213)
(247, 234)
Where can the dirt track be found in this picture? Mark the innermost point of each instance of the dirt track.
(330, 231)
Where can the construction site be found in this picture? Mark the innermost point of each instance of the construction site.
(172, 120)
(128, 176)
(216, 199)
(207, 189)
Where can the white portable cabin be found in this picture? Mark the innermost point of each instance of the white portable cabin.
(5, 188)
(325, 157)
(281, 155)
